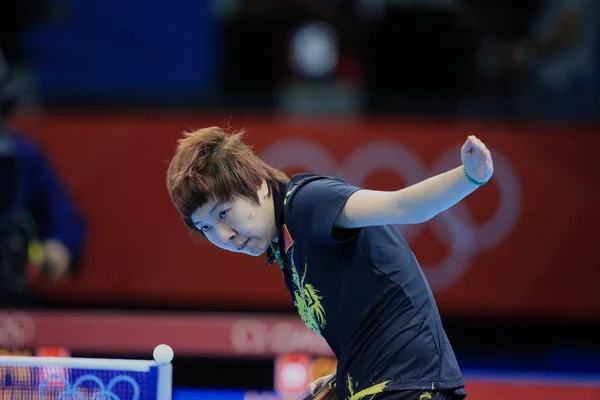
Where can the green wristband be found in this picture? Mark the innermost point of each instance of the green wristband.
(473, 180)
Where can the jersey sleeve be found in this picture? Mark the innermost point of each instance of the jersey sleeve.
(315, 207)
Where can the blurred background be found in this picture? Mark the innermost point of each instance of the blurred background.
(95, 262)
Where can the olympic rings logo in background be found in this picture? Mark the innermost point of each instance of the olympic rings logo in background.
(455, 227)
(74, 392)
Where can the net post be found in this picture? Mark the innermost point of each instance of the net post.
(165, 379)
(163, 355)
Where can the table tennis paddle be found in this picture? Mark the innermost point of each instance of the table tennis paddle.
(326, 391)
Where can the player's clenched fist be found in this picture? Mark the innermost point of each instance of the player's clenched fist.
(477, 159)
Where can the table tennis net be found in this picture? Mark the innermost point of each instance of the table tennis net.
(37, 378)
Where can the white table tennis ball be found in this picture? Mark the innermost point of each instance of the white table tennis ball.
(163, 354)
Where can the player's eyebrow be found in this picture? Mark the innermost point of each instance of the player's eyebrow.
(212, 210)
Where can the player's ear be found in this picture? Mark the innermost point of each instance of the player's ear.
(263, 191)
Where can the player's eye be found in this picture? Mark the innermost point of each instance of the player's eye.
(204, 228)
(223, 214)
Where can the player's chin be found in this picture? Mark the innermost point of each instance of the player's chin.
(255, 251)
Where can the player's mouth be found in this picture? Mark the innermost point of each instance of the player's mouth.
(241, 246)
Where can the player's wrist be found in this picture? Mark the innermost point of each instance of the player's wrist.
(470, 179)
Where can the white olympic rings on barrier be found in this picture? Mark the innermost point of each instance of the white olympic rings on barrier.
(455, 227)
(71, 392)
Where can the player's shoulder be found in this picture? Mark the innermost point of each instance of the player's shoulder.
(308, 183)
(306, 178)
(307, 188)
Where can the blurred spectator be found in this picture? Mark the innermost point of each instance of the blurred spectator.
(545, 64)
(559, 53)
(489, 25)
(34, 206)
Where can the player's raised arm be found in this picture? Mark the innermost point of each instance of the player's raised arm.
(424, 200)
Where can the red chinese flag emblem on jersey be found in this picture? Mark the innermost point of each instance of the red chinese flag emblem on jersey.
(287, 239)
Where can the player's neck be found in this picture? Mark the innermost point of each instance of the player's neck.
(274, 227)
(275, 201)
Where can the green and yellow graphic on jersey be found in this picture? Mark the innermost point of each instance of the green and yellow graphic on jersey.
(307, 300)
(368, 393)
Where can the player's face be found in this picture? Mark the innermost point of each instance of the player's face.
(240, 226)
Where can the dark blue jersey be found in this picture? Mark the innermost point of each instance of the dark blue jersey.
(363, 291)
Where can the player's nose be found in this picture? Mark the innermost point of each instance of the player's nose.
(226, 234)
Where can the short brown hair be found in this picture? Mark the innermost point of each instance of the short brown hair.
(211, 164)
